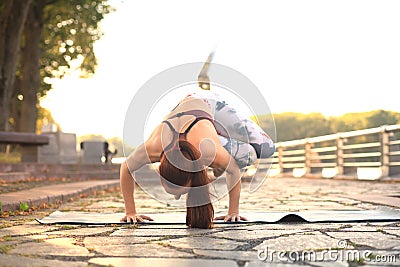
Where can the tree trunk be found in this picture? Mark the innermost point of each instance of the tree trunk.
(31, 54)
(12, 19)
(15, 113)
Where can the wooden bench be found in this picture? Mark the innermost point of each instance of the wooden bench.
(29, 143)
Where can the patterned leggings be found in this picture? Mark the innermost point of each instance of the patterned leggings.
(240, 136)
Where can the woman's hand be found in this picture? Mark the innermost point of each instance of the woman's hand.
(234, 217)
(134, 218)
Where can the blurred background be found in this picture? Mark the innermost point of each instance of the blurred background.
(322, 66)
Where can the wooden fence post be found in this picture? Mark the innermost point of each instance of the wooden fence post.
(280, 159)
(384, 152)
(307, 157)
(339, 155)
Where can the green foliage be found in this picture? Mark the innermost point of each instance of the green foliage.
(70, 28)
(23, 206)
(66, 31)
(379, 117)
(292, 126)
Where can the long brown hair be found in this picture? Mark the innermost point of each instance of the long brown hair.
(199, 210)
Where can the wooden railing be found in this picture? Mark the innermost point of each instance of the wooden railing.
(365, 154)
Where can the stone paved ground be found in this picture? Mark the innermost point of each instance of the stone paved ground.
(24, 242)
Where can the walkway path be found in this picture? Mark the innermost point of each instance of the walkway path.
(24, 242)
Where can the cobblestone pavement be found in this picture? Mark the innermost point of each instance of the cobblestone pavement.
(24, 242)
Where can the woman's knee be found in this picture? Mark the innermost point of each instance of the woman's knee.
(264, 150)
(243, 153)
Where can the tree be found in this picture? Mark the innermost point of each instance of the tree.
(349, 122)
(12, 17)
(30, 79)
(380, 117)
(292, 126)
(56, 34)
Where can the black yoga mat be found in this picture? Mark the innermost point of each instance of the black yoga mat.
(381, 214)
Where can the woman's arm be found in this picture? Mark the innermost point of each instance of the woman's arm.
(233, 179)
(223, 160)
(135, 161)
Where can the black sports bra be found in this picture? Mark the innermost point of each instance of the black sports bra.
(198, 114)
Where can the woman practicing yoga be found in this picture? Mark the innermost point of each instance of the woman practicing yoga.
(201, 131)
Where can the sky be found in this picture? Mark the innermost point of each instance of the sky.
(332, 57)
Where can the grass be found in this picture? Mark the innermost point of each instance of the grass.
(67, 227)
(23, 206)
(4, 249)
(13, 157)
